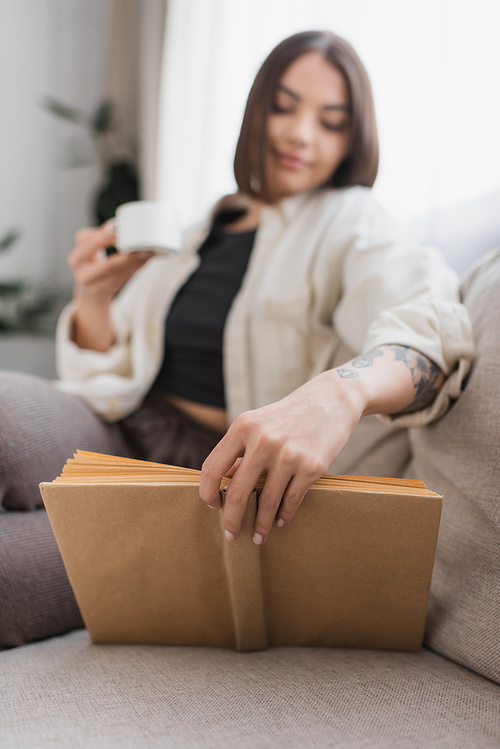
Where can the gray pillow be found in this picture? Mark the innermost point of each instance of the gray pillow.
(459, 457)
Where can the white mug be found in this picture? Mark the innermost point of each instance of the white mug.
(147, 225)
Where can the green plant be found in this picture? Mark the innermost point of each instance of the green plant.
(121, 183)
(26, 306)
(9, 239)
(98, 126)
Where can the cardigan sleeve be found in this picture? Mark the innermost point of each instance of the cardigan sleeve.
(74, 363)
(113, 383)
(395, 291)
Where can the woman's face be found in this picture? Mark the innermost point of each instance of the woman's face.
(308, 131)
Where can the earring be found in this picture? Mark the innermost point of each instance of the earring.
(255, 184)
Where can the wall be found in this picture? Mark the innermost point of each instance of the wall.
(56, 48)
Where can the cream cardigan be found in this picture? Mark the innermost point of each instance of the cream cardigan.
(329, 276)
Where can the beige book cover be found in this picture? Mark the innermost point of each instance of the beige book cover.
(148, 561)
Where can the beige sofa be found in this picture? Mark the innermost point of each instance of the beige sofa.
(64, 692)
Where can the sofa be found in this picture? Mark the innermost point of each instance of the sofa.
(60, 691)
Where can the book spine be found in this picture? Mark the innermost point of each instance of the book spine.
(242, 562)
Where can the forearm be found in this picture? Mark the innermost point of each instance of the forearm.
(389, 380)
(294, 440)
(92, 327)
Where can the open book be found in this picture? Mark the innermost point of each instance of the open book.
(148, 561)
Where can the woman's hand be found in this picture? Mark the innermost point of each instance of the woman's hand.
(98, 278)
(295, 440)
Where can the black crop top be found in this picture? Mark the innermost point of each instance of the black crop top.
(192, 362)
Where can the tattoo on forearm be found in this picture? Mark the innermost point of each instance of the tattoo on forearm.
(360, 362)
(424, 374)
(346, 374)
(366, 360)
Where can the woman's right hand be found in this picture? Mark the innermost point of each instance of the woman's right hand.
(98, 278)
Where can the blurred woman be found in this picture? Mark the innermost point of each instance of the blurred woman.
(294, 311)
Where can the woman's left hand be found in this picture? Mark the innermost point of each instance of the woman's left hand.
(293, 441)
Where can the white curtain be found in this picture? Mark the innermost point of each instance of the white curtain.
(435, 70)
(151, 31)
(132, 81)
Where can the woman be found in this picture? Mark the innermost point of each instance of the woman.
(295, 312)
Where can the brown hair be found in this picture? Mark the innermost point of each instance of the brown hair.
(361, 163)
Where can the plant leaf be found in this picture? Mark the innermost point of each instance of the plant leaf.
(103, 119)
(9, 289)
(64, 111)
(9, 239)
(77, 152)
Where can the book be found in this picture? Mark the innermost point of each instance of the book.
(149, 563)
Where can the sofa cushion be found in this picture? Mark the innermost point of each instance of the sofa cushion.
(70, 694)
(459, 457)
(36, 599)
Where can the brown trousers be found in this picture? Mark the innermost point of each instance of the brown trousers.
(159, 432)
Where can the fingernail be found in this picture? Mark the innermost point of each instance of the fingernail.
(280, 522)
(230, 536)
(257, 538)
(213, 507)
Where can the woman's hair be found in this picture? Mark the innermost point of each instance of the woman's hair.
(361, 163)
